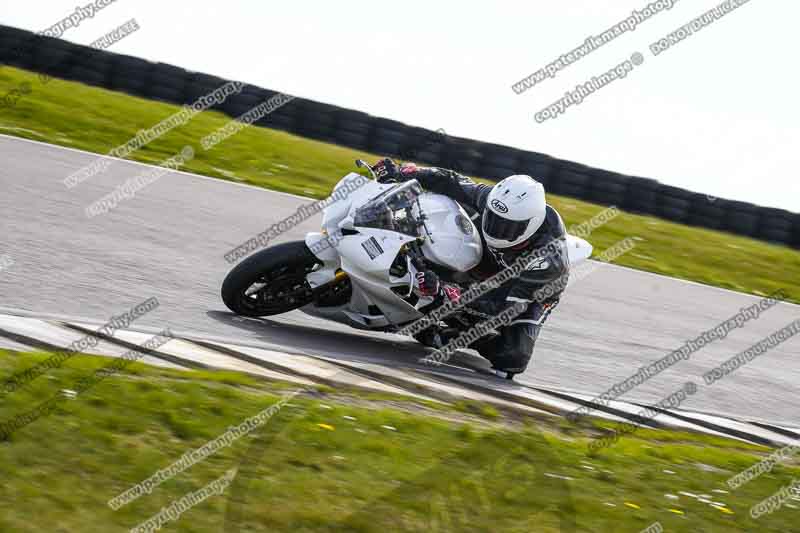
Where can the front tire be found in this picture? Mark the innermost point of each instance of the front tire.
(271, 282)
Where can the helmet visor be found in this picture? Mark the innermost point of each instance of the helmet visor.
(503, 229)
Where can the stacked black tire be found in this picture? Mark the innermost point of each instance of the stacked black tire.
(324, 122)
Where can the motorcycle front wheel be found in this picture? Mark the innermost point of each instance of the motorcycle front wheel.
(272, 281)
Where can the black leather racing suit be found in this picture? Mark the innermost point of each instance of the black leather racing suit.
(512, 348)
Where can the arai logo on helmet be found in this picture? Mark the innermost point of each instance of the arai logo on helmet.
(500, 206)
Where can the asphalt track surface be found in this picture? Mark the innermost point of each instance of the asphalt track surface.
(169, 241)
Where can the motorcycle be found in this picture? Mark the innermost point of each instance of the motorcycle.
(360, 269)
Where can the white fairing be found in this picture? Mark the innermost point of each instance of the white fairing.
(338, 210)
(366, 254)
(453, 239)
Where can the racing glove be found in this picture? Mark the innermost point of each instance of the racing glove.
(386, 170)
(453, 293)
(427, 283)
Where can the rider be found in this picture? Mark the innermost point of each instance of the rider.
(514, 220)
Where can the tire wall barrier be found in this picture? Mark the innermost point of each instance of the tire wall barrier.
(354, 129)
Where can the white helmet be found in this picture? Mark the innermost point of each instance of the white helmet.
(515, 210)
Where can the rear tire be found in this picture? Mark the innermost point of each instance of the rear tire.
(271, 282)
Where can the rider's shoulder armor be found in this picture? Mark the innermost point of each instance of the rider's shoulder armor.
(552, 228)
(555, 265)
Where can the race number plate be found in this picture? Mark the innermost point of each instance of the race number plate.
(372, 248)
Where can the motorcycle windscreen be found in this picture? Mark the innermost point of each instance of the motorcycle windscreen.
(391, 210)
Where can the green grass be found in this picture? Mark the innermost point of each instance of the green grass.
(437, 470)
(71, 114)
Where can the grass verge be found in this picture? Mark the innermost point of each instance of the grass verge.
(342, 460)
(70, 114)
